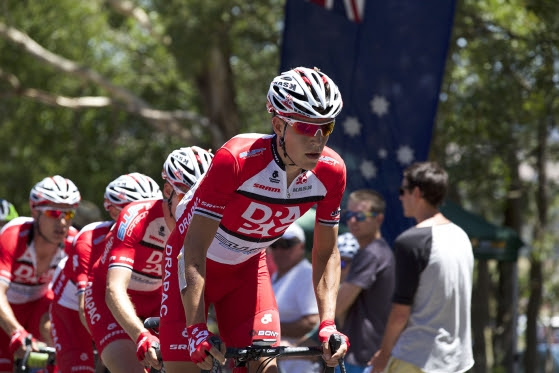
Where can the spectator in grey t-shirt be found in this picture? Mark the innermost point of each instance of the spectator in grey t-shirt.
(428, 330)
(364, 297)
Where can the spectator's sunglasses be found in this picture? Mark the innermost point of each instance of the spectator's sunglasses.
(360, 216)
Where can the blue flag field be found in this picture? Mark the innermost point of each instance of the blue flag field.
(388, 59)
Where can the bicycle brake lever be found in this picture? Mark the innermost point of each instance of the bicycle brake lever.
(335, 342)
(216, 342)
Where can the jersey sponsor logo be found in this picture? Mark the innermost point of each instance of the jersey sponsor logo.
(301, 189)
(274, 179)
(211, 206)
(261, 220)
(178, 346)
(301, 179)
(153, 264)
(90, 307)
(130, 219)
(336, 212)
(184, 223)
(266, 319)
(168, 266)
(252, 153)
(24, 273)
(233, 246)
(329, 160)
(267, 333)
(267, 188)
(108, 247)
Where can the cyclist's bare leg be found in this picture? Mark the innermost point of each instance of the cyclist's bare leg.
(180, 367)
(120, 357)
(44, 329)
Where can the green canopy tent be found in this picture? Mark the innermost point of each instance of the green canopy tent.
(489, 241)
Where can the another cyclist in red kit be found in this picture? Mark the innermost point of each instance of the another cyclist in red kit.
(126, 280)
(72, 340)
(30, 251)
(256, 187)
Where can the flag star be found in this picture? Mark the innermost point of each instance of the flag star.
(405, 155)
(368, 169)
(382, 153)
(352, 127)
(379, 105)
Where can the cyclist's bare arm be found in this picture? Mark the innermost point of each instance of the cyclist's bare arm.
(326, 270)
(119, 302)
(123, 310)
(8, 320)
(198, 238)
(326, 280)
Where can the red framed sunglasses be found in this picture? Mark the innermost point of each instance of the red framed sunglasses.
(308, 128)
(57, 213)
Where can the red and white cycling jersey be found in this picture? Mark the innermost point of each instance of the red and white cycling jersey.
(254, 205)
(18, 261)
(260, 204)
(88, 245)
(136, 242)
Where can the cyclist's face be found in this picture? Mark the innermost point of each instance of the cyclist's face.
(303, 150)
(54, 221)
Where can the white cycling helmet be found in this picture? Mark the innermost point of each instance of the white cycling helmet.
(7, 211)
(347, 245)
(306, 92)
(54, 190)
(185, 166)
(129, 188)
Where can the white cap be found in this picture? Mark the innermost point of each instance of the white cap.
(294, 231)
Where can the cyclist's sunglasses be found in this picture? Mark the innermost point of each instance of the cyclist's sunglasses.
(360, 216)
(310, 129)
(56, 213)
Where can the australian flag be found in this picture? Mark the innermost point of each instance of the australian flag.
(387, 58)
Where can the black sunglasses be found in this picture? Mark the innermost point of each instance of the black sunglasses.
(284, 244)
(358, 215)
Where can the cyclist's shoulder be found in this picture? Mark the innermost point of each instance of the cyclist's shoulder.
(16, 230)
(330, 163)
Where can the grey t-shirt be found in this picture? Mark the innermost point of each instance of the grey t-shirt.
(434, 276)
(372, 269)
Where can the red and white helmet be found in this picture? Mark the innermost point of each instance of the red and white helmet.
(129, 188)
(306, 92)
(185, 166)
(54, 190)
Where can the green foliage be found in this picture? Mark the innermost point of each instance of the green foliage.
(159, 65)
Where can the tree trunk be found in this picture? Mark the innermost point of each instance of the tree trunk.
(480, 315)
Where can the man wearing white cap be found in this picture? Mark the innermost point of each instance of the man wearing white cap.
(293, 288)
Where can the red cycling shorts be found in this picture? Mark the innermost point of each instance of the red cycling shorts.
(73, 343)
(243, 299)
(103, 325)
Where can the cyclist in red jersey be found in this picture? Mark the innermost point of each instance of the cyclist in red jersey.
(30, 251)
(72, 340)
(126, 280)
(255, 188)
